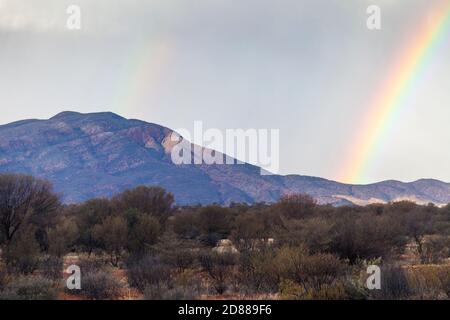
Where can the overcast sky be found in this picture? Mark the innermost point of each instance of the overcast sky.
(306, 67)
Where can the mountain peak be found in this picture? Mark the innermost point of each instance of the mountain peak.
(65, 114)
(89, 155)
(73, 114)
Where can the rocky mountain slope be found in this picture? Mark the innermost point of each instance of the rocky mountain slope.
(100, 154)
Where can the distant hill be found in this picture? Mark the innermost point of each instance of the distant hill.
(100, 154)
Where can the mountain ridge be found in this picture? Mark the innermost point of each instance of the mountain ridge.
(99, 154)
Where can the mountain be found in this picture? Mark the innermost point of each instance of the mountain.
(100, 154)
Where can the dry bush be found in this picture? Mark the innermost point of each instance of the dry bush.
(395, 284)
(186, 285)
(435, 249)
(429, 282)
(444, 280)
(100, 285)
(312, 272)
(175, 252)
(148, 271)
(296, 206)
(340, 290)
(3, 278)
(29, 288)
(24, 199)
(165, 292)
(91, 265)
(220, 268)
(52, 267)
(258, 271)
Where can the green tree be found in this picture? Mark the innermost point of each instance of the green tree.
(112, 236)
(154, 201)
(88, 215)
(144, 231)
(215, 223)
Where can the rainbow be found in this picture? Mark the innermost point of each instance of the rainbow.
(141, 73)
(390, 100)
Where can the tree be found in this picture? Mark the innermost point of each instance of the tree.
(23, 252)
(63, 236)
(144, 231)
(149, 200)
(419, 223)
(215, 223)
(112, 235)
(296, 206)
(249, 230)
(366, 236)
(185, 225)
(24, 198)
(88, 215)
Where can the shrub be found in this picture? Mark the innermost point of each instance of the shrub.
(258, 271)
(394, 284)
(29, 288)
(100, 285)
(148, 271)
(210, 239)
(220, 269)
(164, 292)
(52, 267)
(90, 265)
(312, 273)
(175, 252)
(426, 282)
(435, 249)
(181, 259)
(186, 225)
(341, 290)
(22, 254)
(444, 277)
(3, 279)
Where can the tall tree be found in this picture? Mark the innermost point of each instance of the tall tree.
(24, 198)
